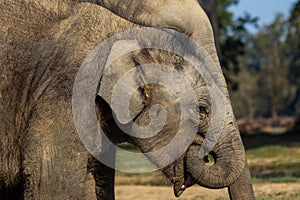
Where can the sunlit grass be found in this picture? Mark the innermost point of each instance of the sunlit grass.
(274, 151)
(280, 196)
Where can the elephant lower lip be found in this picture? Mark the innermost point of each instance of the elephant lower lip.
(188, 182)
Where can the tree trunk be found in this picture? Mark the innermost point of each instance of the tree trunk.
(274, 112)
(251, 108)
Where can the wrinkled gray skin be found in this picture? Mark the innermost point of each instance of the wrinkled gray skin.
(42, 47)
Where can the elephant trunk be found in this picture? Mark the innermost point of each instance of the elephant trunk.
(223, 165)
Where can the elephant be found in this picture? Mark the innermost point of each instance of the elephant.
(43, 45)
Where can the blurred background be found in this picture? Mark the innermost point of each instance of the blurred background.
(258, 42)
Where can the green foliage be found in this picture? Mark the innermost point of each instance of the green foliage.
(293, 54)
(294, 18)
(233, 38)
(245, 98)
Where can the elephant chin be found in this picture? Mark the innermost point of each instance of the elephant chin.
(221, 167)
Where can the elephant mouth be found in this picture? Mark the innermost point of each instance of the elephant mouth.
(188, 182)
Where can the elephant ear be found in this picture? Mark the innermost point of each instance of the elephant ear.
(119, 84)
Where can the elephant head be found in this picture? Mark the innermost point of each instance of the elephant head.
(219, 166)
(165, 115)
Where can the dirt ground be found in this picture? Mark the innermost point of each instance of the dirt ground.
(263, 191)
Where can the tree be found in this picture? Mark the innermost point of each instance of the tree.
(264, 80)
(273, 80)
(245, 98)
(293, 53)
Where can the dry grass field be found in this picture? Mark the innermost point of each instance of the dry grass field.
(263, 191)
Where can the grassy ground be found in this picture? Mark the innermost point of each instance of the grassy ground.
(274, 158)
(274, 163)
(264, 191)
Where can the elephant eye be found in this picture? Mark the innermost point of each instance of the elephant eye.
(199, 109)
(202, 110)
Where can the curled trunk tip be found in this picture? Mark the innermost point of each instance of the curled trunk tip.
(221, 167)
